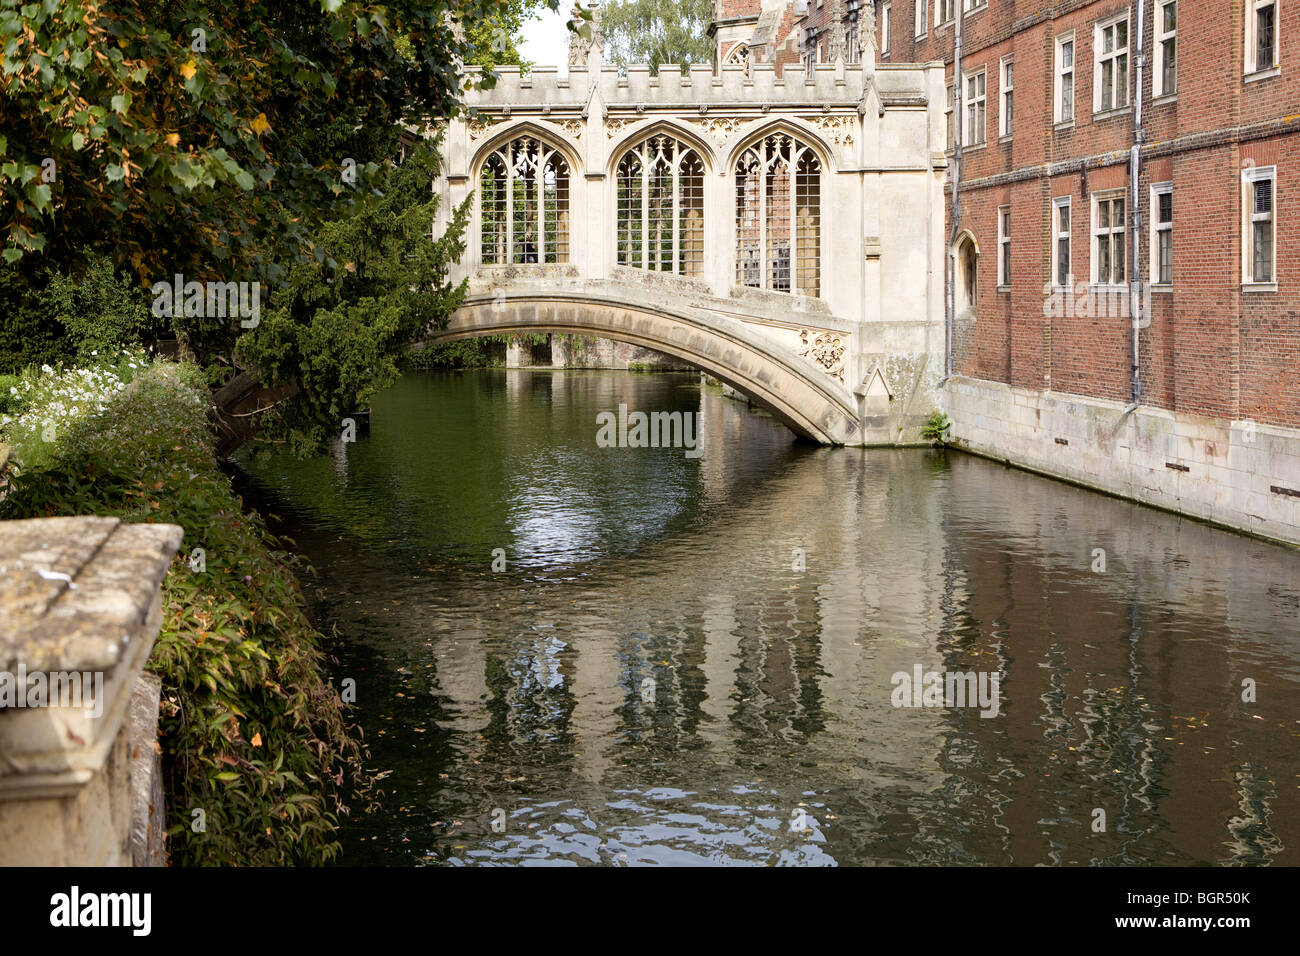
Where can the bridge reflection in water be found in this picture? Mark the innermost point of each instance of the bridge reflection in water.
(526, 690)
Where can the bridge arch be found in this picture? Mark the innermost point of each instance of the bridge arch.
(796, 392)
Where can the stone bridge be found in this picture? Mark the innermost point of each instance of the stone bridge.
(782, 232)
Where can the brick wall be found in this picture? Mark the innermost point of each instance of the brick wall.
(1211, 348)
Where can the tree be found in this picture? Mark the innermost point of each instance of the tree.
(230, 142)
(331, 338)
(657, 31)
(496, 40)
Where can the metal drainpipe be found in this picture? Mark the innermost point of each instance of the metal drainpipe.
(950, 268)
(1135, 215)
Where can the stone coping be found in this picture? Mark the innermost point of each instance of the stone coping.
(74, 590)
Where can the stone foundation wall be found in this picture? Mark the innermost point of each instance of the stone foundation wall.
(571, 351)
(1240, 474)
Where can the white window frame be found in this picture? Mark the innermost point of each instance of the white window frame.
(938, 11)
(885, 25)
(1253, 69)
(1059, 73)
(920, 13)
(1004, 247)
(1157, 228)
(1059, 203)
(973, 105)
(970, 6)
(1164, 38)
(1099, 59)
(1249, 177)
(1114, 236)
(1006, 96)
(950, 113)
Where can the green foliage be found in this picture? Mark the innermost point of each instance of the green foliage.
(935, 427)
(29, 335)
(252, 733)
(339, 325)
(485, 352)
(657, 31)
(213, 154)
(101, 308)
(12, 399)
(495, 40)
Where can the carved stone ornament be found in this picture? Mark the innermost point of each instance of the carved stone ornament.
(479, 126)
(827, 349)
(838, 129)
(718, 128)
(580, 47)
(838, 47)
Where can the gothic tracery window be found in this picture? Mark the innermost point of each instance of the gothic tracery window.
(778, 216)
(740, 54)
(524, 204)
(660, 184)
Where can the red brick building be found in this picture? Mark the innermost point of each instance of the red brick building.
(1048, 112)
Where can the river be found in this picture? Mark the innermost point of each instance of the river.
(570, 654)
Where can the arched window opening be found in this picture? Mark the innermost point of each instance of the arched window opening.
(524, 204)
(778, 217)
(739, 54)
(966, 268)
(660, 184)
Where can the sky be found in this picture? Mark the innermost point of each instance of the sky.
(546, 40)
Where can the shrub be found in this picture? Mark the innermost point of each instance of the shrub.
(102, 310)
(935, 427)
(252, 733)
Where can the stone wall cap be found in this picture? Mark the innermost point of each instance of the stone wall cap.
(75, 590)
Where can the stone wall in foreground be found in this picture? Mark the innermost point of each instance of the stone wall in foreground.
(1241, 474)
(80, 608)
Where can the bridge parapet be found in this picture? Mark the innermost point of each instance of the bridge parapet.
(696, 86)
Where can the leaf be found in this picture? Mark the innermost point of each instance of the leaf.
(188, 69)
(121, 103)
(40, 196)
(259, 125)
(114, 172)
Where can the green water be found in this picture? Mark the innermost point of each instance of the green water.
(692, 660)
